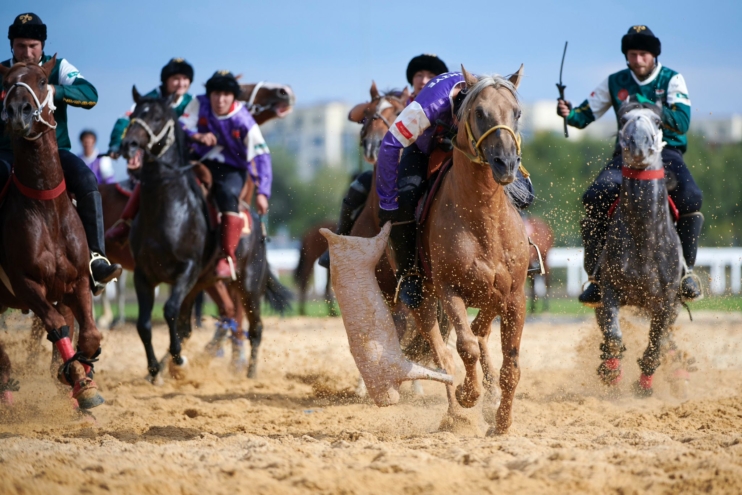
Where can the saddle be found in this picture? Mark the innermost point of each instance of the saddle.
(205, 181)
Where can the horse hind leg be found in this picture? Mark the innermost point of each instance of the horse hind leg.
(612, 348)
(482, 328)
(172, 310)
(146, 300)
(255, 332)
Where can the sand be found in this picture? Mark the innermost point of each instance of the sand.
(299, 429)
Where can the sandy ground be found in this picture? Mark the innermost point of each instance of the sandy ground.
(297, 428)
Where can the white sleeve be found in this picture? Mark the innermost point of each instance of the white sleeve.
(106, 168)
(68, 73)
(255, 143)
(677, 91)
(410, 124)
(189, 119)
(600, 99)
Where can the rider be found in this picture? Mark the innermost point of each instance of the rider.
(102, 166)
(420, 71)
(650, 82)
(176, 78)
(228, 141)
(27, 37)
(401, 172)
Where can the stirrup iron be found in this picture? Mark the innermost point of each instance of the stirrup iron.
(96, 256)
(412, 272)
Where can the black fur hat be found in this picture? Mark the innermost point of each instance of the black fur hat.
(176, 66)
(426, 61)
(88, 132)
(29, 26)
(641, 38)
(223, 80)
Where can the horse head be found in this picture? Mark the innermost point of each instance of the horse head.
(640, 136)
(152, 127)
(490, 107)
(28, 99)
(378, 116)
(267, 101)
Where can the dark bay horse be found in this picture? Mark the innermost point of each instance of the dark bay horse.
(313, 244)
(44, 256)
(478, 250)
(642, 263)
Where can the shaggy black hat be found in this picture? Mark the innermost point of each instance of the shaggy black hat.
(641, 38)
(426, 61)
(29, 26)
(88, 132)
(223, 80)
(176, 66)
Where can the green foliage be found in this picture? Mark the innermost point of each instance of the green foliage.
(562, 169)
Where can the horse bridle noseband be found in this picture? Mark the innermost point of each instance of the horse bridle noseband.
(48, 102)
(168, 129)
(476, 144)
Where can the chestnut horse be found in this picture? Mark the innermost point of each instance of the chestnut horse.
(44, 256)
(477, 249)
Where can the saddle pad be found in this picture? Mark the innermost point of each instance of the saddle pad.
(670, 203)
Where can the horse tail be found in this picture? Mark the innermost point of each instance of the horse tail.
(277, 295)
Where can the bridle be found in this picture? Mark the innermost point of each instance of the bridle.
(252, 107)
(40, 106)
(167, 132)
(478, 156)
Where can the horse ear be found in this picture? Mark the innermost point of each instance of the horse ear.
(238, 76)
(135, 94)
(49, 66)
(468, 78)
(515, 78)
(374, 91)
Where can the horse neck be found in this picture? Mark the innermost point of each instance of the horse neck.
(473, 187)
(644, 204)
(163, 180)
(36, 163)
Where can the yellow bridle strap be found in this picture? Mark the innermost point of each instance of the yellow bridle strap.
(479, 157)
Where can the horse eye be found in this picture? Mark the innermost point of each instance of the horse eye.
(517, 114)
(479, 114)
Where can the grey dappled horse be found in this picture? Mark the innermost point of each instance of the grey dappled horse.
(642, 262)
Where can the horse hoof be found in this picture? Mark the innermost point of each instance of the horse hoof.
(466, 399)
(178, 371)
(492, 402)
(252, 371)
(610, 372)
(155, 380)
(642, 388)
(85, 392)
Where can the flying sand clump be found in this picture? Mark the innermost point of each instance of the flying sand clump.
(368, 322)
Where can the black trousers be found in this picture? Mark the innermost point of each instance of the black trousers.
(227, 186)
(79, 178)
(683, 190)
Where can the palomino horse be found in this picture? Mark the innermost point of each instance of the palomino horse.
(477, 249)
(641, 264)
(543, 238)
(313, 244)
(44, 255)
(266, 101)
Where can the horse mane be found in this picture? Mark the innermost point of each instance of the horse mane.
(633, 104)
(516, 192)
(392, 93)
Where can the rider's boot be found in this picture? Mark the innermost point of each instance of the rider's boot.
(410, 283)
(102, 271)
(119, 233)
(689, 229)
(345, 225)
(231, 232)
(593, 238)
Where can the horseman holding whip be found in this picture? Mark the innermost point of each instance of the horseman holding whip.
(27, 37)
(647, 81)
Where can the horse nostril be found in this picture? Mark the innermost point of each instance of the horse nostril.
(27, 108)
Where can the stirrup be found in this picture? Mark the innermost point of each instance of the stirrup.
(93, 257)
(232, 271)
(412, 272)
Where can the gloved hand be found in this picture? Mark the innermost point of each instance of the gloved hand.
(388, 215)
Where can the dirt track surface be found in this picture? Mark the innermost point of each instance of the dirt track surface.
(295, 429)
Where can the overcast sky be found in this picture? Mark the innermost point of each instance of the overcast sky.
(331, 50)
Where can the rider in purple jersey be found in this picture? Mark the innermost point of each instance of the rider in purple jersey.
(426, 124)
(101, 166)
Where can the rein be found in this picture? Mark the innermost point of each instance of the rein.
(48, 102)
(476, 145)
(154, 139)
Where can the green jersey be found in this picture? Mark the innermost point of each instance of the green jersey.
(119, 128)
(663, 85)
(70, 89)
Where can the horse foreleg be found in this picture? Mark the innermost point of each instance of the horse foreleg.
(171, 311)
(482, 328)
(511, 329)
(612, 348)
(650, 361)
(255, 332)
(468, 348)
(105, 320)
(120, 300)
(146, 300)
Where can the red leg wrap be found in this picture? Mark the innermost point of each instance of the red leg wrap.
(645, 381)
(7, 398)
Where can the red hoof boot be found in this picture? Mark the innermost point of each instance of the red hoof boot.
(643, 386)
(119, 233)
(225, 269)
(610, 372)
(86, 393)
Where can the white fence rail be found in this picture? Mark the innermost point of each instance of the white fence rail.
(715, 259)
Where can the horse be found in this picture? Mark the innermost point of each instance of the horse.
(44, 260)
(542, 237)
(266, 101)
(641, 264)
(477, 251)
(313, 244)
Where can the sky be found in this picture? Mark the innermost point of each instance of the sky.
(333, 49)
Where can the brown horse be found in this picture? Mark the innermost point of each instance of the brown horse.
(543, 237)
(477, 248)
(44, 250)
(313, 244)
